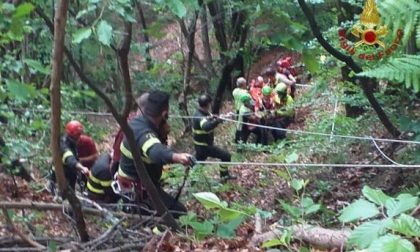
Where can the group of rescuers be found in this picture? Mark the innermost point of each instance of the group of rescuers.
(113, 176)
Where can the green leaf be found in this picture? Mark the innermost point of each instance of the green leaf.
(311, 61)
(273, 243)
(209, 200)
(52, 246)
(365, 234)
(20, 91)
(376, 196)
(228, 214)
(283, 241)
(36, 66)
(177, 7)
(291, 158)
(391, 243)
(23, 10)
(403, 203)
(104, 32)
(227, 230)
(81, 34)
(264, 214)
(360, 209)
(292, 210)
(406, 225)
(202, 229)
(309, 206)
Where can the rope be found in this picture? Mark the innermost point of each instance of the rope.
(383, 154)
(308, 165)
(302, 132)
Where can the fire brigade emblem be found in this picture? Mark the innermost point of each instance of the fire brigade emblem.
(368, 30)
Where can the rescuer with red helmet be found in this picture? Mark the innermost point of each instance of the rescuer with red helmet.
(69, 155)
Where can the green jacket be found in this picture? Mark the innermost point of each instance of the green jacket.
(285, 106)
(237, 93)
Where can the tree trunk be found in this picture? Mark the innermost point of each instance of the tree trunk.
(189, 35)
(239, 31)
(225, 82)
(56, 75)
(208, 58)
(149, 63)
(365, 83)
(219, 27)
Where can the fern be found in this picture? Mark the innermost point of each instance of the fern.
(404, 70)
(402, 13)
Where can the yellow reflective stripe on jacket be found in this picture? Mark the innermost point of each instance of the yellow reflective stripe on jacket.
(67, 154)
(104, 183)
(198, 143)
(93, 189)
(125, 151)
(128, 154)
(201, 132)
(121, 173)
(202, 122)
(148, 144)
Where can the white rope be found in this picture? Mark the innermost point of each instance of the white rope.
(302, 132)
(303, 85)
(308, 165)
(383, 154)
(333, 119)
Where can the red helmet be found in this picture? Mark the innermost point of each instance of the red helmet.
(74, 129)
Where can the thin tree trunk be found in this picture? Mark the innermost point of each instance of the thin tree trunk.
(56, 75)
(219, 27)
(239, 37)
(225, 81)
(149, 63)
(189, 35)
(365, 83)
(208, 58)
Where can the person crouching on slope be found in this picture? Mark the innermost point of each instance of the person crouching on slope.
(155, 155)
(203, 126)
(69, 156)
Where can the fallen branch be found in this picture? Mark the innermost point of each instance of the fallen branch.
(8, 241)
(17, 231)
(317, 236)
(58, 207)
(20, 249)
(130, 246)
(92, 245)
(106, 213)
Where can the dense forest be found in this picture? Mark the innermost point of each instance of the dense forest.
(241, 125)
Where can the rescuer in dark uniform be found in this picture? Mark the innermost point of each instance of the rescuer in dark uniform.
(146, 128)
(100, 179)
(203, 125)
